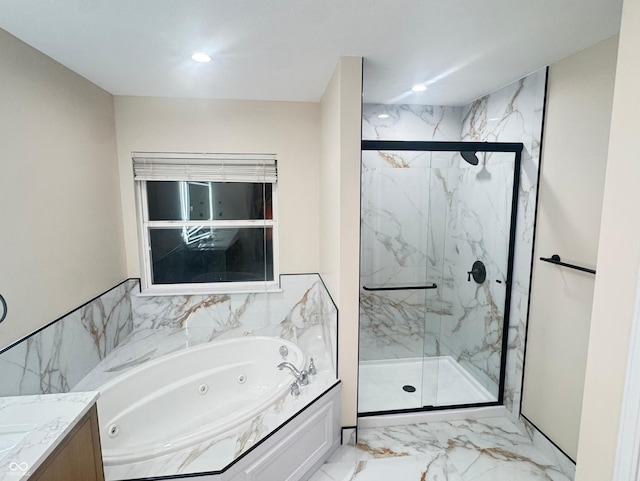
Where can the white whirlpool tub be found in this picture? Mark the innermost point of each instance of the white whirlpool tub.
(196, 394)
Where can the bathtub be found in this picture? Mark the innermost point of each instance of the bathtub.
(197, 394)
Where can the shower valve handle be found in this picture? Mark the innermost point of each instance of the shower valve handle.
(478, 271)
(473, 272)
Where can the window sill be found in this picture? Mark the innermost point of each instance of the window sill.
(190, 290)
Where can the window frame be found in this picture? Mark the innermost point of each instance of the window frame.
(145, 225)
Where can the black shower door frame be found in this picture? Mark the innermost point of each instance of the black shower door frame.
(438, 146)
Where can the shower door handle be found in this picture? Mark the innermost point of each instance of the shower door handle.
(401, 288)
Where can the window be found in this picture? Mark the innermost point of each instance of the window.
(207, 222)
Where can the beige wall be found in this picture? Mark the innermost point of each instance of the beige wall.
(288, 129)
(330, 186)
(341, 112)
(576, 140)
(61, 241)
(618, 261)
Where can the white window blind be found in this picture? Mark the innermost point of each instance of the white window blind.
(257, 168)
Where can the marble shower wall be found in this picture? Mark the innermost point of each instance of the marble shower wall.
(426, 217)
(393, 322)
(411, 122)
(476, 212)
(403, 244)
(479, 230)
(514, 114)
(54, 359)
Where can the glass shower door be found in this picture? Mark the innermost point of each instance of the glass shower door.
(442, 189)
(437, 240)
(474, 283)
(395, 281)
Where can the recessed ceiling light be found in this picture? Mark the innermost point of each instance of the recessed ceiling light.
(419, 88)
(383, 116)
(201, 57)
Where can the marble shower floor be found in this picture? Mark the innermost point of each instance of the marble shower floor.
(439, 381)
(489, 449)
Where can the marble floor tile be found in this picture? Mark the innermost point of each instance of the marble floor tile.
(395, 441)
(488, 449)
(320, 475)
(480, 433)
(409, 468)
(349, 454)
(335, 472)
(412, 468)
(502, 464)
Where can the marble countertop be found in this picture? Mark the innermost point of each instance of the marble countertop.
(32, 426)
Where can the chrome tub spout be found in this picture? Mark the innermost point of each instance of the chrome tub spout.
(301, 376)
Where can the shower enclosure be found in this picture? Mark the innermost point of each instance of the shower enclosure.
(437, 246)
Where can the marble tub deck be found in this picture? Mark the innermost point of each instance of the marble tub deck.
(489, 449)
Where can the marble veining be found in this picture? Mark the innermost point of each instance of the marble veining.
(47, 419)
(542, 443)
(409, 231)
(410, 122)
(409, 239)
(56, 358)
(487, 449)
(303, 309)
(214, 455)
(122, 329)
(514, 114)
(302, 313)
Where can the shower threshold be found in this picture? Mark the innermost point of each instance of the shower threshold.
(438, 381)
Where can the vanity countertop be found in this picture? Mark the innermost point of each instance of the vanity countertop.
(32, 426)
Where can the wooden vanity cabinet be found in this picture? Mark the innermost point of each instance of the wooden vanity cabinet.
(77, 457)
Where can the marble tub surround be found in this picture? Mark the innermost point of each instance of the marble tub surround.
(302, 312)
(36, 424)
(55, 358)
(511, 114)
(207, 456)
(214, 456)
(489, 449)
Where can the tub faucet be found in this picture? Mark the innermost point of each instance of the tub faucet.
(301, 376)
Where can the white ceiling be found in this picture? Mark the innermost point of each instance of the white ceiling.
(288, 49)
